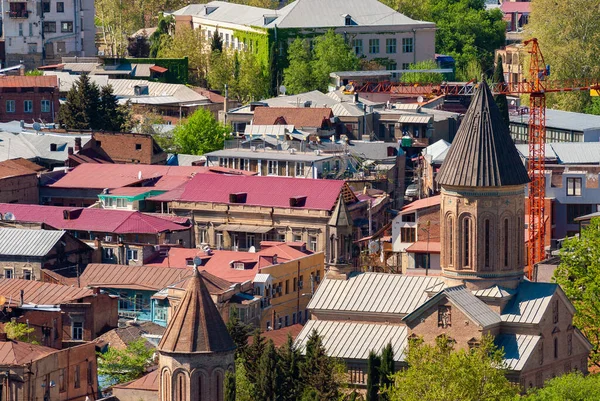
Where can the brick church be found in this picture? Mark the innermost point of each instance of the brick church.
(482, 289)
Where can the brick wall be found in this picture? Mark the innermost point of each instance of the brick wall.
(21, 189)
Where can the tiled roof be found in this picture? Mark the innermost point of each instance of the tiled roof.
(121, 337)
(43, 81)
(197, 325)
(530, 303)
(25, 242)
(280, 336)
(425, 247)
(215, 285)
(122, 276)
(261, 191)
(148, 382)
(300, 117)
(468, 303)
(483, 153)
(422, 204)
(38, 293)
(92, 219)
(14, 353)
(372, 293)
(352, 340)
(517, 349)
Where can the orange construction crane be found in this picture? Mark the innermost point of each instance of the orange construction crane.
(536, 86)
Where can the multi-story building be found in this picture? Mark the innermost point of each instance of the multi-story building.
(19, 181)
(29, 98)
(40, 33)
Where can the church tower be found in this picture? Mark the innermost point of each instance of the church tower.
(482, 201)
(196, 349)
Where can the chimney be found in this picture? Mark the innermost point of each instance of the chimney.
(21, 70)
(274, 259)
(21, 297)
(77, 144)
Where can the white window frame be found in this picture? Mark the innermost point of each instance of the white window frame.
(300, 169)
(574, 186)
(224, 162)
(313, 241)
(10, 106)
(272, 167)
(391, 45)
(9, 272)
(374, 46)
(45, 106)
(78, 330)
(132, 254)
(27, 106)
(30, 274)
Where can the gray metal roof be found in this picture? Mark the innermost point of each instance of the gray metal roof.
(483, 153)
(351, 340)
(517, 349)
(372, 150)
(565, 120)
(464, 300)
(529, 304)
(373, 293)
(494, 292)
(23, 242)
(577, 152)
(29, 145)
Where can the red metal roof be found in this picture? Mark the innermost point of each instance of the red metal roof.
(159, 69)
(14, 168)
(21, 81)
(261, 191)
(36, 292)
(424, 247)
(421, 204)
(93, 219)
(148, 382)
(280, 336)
(522, 7)
(19, 353)
(134, 277)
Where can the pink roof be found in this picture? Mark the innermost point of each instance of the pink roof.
(99, 220)
(424, 247)
(523, 7)
(261, 191)
(218, 263)
(421, 204)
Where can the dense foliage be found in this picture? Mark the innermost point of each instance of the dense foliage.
(570, 387)
(423, 77)
(120, 366)
(200, 134)
(19, 332)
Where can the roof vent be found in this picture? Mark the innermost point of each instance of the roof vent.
(308, 103)
(268, 18)
(139, 90)
(238, 197)
(297, 201)
(209, 9)
(348, 20)
(274, 257)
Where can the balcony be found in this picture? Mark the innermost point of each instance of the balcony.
(19, 14)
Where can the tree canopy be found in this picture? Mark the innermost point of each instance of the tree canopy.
(579, 276)
(200, 134)
(440, 373)
(120, 366)
(423, 77)
(569, 387)
(19, 332)
(186, 42)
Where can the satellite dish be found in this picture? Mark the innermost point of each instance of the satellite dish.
(349, 88)
(197, 261)
(373, 246)
(8, 216)
(140, 175)
(37, 126)
(420, 99)
(282, 89)
(2, 300)
(252, 249)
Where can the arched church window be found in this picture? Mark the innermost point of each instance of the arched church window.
(466, 241)
(486, 245)
(450, 240)
(166, 385)
(505, 242)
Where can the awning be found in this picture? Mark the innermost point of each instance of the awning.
(412, 119)
(159, 69)
(239, 228)
(424, 247)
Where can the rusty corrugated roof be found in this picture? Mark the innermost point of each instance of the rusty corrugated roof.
(14, 353)
(483, 153)
(122, 276)
(36, 292)
(18, 81)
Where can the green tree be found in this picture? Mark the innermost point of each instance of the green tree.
(200, 134)
(120, 366)
(318, 371)
(500, 99)
(111, 115)
(244, 389)
(387, 370)
(222, 70)
(238, 331)
(579, 276)
(289, 366)
(571, 387)
(187, 42)
(216, 44)
(80, 111)
(166, 25)
(373, 366)
(252, 357)
(298, 75)
(439, 373)
(594, 106)
(570, 45)
(331, 53)
(251, 79)
(472, 71)
(19, 332)
(423, 77)
(229, 387)
(268, 385)
(34, 73)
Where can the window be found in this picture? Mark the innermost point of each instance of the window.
(138, 146)
(61, 380)
(406, 66)
(108, 253)
(407, 45)
(10, 106)
(77, 331)
(9, 273)
(49, 26)
(30, 29)
(444, 316)
(46, 6)
(61, 48)
(28, 106)
(555, 347)
(450, 240)
(219, 241)
(407, 234)
(390, 46)
(358, 46)
(20, 29)
(297, 237)
(570, 344)
(45, 106)
(121, 202)
(486, 234)
(555, 311)
(132, 254)
(574, 186)
(574, 211)
(223, 162)
(245, 164)
(299, 169)
(287, 320)
(373, 46)
(77, 378)
(505, 242)
(272, 167)
(60, 7)
(27, 274)
(466, 235)
(541, 353)
(312, 241)
(66, 26)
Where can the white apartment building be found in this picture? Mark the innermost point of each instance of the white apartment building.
(42, 32)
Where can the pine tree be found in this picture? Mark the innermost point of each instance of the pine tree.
(229, 386)
(80, 110)
(252, 357)
(111, 115)
(387, 370)
(289, 365)
(239, 332)
(373, 365)
(317, 371)
(298, 75)
(269, 379)
(501, 102)
(217, 42)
